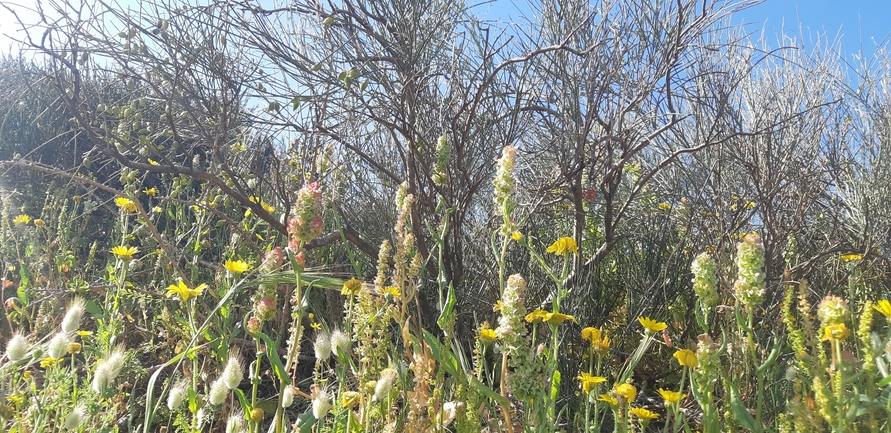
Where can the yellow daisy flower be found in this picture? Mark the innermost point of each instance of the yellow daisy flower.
(556, 319)
(626, 391)
(687, 358)
(838, 331)
(184, 292)
(536, 316)
(236, 267)
(516, 236)
(590, 334)
(609, 399)
(392, 291)
(588, 381)
(486, 334)
(21, 219)
(563, 245)
(671, 396)
(124, 252)
(644, 413)
(351, 287)
(601, 346)
(126, 204)
(151, 191)
(652, 325)
(49, 362)
(883, 307)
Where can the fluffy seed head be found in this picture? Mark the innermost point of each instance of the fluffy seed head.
(340, 342)
(108, 370)
(232, 374)
(71, 321)
(58, 345)
(322, 346)
(176, 396)
(321, 402)
(287, 396)
(218, 392)
(384, 384)
(76, 418)
(17, 347)
(235, 423)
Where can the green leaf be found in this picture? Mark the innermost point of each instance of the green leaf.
(442, 354)
(277, 366)
(305, 422)
(447, 311)
(485, 390)
(740, 413)
(885, 381)
(555, 385)
(245, 404)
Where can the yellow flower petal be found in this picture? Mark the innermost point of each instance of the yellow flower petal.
(687, 358)
(883, 306)
(652, 325)
(236, 267)
(643, 413)
(563, 246)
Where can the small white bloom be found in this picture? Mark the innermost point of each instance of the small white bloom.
(71, 321)
(17, 347)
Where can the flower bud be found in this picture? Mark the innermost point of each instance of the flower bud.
(266, 308)
(254, 325)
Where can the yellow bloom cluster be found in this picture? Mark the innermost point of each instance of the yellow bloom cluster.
(599, 342)
(125, 204)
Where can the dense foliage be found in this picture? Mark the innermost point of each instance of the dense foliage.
(400, 216)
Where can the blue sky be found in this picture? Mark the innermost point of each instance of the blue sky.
(859, 23)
